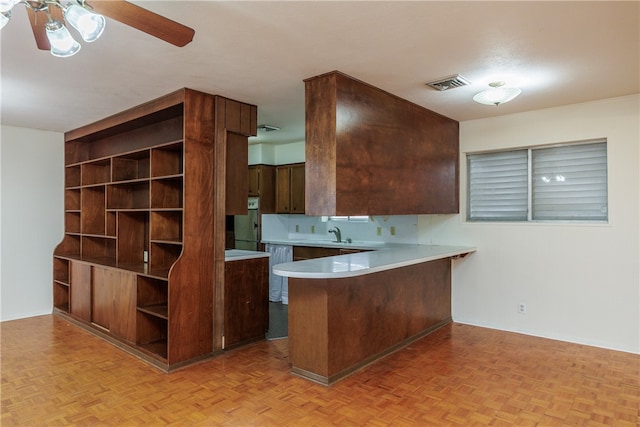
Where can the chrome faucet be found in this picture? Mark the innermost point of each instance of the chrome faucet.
(336, 231)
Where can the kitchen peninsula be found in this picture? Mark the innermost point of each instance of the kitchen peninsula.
(347, 311)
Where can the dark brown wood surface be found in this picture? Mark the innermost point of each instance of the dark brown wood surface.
(246, 308)
(369, 152)
(297, 188)
(80, 291)
(153, 179)
(338, 325)
(262, 184)
(123, 310)
(290, 188)
(237, 179)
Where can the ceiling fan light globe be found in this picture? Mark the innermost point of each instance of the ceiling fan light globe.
(7, 5)
(62, 44)
(4, 19)
(90, 25)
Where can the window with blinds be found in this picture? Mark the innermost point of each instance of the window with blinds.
(561, 183)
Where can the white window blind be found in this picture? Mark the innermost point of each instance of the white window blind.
(562, 183)
(498, 184)
(570, 182)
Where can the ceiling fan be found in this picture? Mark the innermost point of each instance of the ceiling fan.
(48, 17)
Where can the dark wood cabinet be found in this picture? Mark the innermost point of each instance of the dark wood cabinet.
(262, 184)
(290, 188)
(80, 285)
(146, 193)
(246, 310)
(369, 152)
(114, 301)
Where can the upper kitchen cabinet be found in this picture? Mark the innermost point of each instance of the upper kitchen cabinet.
(369, 152)
(290, 188)
(262, 184)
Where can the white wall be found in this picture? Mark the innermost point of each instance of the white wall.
(276, 154)
(31, 219)
(581, 283)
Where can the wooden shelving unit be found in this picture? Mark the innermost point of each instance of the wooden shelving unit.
(142, 260)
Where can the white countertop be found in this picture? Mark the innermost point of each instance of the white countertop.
(368, 262)
(239, 254)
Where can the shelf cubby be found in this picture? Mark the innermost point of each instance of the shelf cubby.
(111, 219)
(72, 176)
(93, 210)
(128, 196)
(70, 246)
(163, 255)
(166, 226)
(167, 160)
(72, 200)
(152, 334)
(96, 172)
(166, 193)
(61, 270)
(132, 237)
(72, 222)
(61, 296)
(103, 248)
(131, 166)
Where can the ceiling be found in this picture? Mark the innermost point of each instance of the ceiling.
(260, 52)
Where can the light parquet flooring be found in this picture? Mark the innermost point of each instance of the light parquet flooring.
(54, 373)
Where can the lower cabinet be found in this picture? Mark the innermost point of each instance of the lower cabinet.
(246, 300)
(114, 302)
(80, 290)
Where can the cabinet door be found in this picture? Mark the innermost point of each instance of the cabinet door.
(254, 181)
(114, 302)
(101, 297)
(80, 286)
(246, 302)
(296, 188)
(123, 307)
(282, 189)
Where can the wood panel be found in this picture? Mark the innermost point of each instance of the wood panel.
(338, 325)
(283, 195)
(102, 294)
(297, 187)
(123, 311)
(190, 305)
(236, 180)
(80, 290)
(369, 152)
(310, 252)
(246, 304)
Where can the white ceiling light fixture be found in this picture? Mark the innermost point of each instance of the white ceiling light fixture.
(90, 25)
(497, 94)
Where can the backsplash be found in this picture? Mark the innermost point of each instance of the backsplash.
(388, 229)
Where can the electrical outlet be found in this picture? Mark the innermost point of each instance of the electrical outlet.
(297, 228)
(313, 229)
(522, 308)
(379, 231)
(393, 230)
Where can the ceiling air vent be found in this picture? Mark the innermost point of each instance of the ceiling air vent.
(267, 128)
(450, 82)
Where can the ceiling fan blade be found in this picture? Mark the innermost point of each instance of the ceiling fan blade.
(37, 25)
(145, 21)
